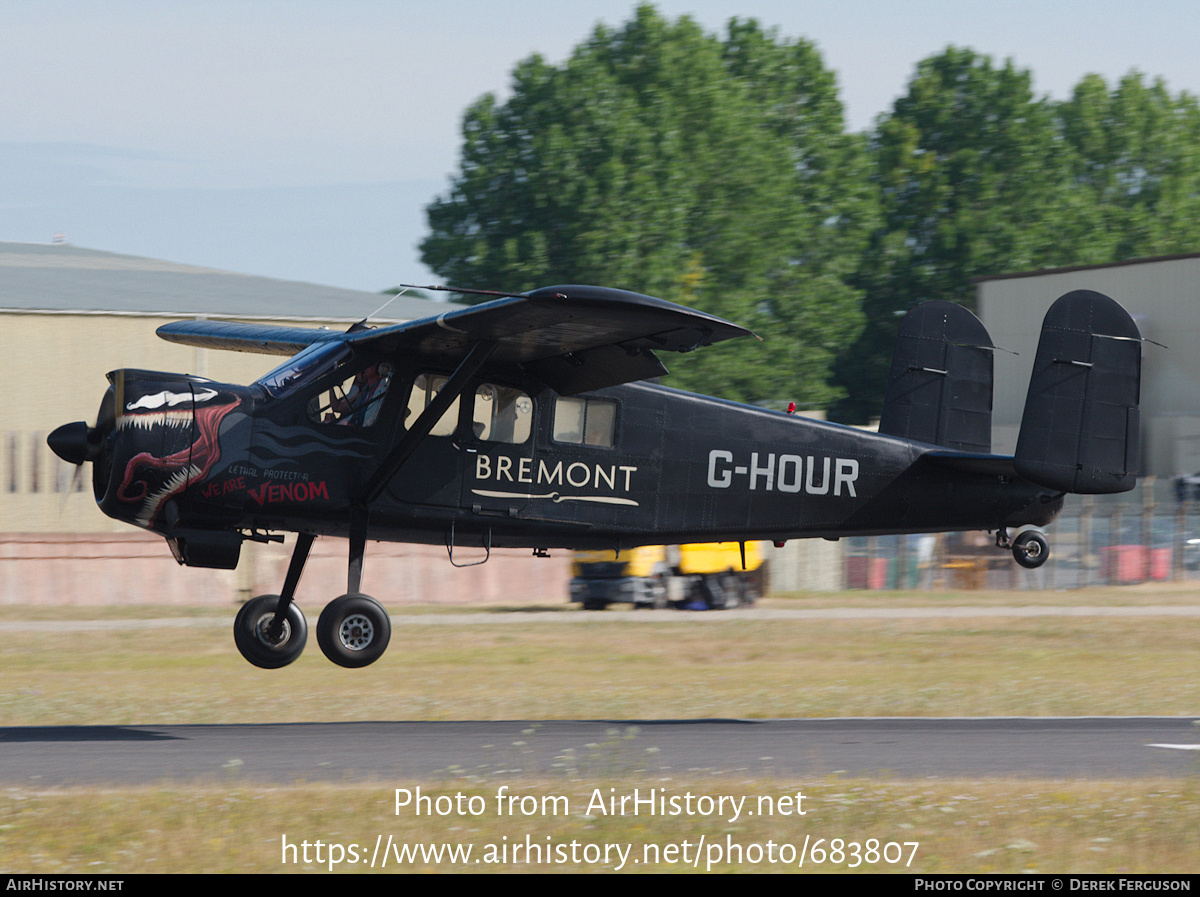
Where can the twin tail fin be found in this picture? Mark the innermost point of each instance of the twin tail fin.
(940, 386)
(1080, 431)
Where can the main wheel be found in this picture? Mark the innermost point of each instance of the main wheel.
(353, 630)
(1030, 550)
(252, 633)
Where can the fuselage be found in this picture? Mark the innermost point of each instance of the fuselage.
(514, 464)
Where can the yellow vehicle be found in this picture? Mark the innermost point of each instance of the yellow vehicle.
(700, 576)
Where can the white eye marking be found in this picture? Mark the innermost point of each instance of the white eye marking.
(170, 399)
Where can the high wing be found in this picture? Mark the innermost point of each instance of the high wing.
(573, 338)
(263, 339)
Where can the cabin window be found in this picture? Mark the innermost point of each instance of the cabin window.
(356, 400)
(425, 388)
(502, 414)
(585, 421)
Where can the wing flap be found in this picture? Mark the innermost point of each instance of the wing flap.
(595, 369)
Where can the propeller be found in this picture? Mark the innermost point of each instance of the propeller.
(76, 442)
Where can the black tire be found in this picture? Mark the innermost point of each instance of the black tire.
(594, 604)
(250, 633)
(1031, 550)
(353, 631)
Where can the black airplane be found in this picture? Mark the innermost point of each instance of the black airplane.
(524, 422)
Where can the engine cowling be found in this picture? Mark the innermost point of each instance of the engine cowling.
(157, 434)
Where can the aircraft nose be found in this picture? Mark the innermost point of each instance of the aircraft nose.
(70, 442)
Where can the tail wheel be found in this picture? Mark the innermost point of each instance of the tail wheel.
(1030, 550)
(260, 642)
(353, 630)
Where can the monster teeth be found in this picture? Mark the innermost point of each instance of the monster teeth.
(148, 421)
(178, 480)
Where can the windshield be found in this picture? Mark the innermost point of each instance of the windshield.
(317, 359)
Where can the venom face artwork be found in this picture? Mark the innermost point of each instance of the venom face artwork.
(190, 420)
(156, 436)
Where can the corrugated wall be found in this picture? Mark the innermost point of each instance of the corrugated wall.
(1164, 298)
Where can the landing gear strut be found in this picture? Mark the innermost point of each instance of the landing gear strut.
(270, 630)
(353, 630)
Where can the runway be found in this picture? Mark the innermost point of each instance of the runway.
(397, 752)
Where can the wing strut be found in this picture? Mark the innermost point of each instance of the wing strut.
(467, 368)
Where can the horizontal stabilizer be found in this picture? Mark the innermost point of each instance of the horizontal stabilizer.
(967, 462)
(1080, 430)
(940, 387)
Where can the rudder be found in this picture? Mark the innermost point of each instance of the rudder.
(1080, 429)
(940, 386)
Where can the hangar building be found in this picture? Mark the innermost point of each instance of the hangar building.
(1162, 295)
(69, 315)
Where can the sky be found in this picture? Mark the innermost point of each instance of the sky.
(304, 139)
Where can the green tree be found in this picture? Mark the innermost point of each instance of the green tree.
(973, 180)
(1137, 156)
(714, 173)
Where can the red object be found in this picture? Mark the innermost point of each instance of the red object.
(1160, 563)
(791, 407)
(1125, 563)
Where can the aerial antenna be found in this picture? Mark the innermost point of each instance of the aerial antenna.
(359, 326)
(499, 294)
(385, 305)
(980, 346)
(1133, 339)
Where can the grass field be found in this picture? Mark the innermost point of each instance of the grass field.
(978, 827)
(562, 663)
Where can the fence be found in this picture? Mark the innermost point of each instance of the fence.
(1149, 534)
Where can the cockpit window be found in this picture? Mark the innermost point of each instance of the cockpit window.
(310, 364)
(354, 401)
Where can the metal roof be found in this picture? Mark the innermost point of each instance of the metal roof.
(59, 277)
(1071, 269)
